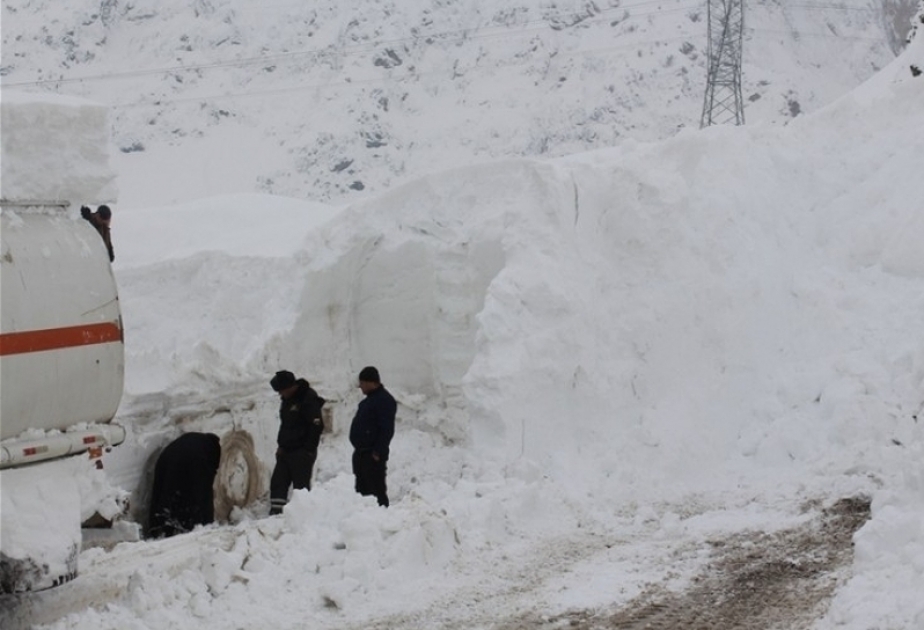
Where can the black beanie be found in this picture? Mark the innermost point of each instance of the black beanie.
(284, 379)
(369, 375)
(104, 211)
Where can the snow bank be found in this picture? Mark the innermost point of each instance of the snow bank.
(203, 249)
(41, 525)
(889, 561)
(55, 148)
(737, 298)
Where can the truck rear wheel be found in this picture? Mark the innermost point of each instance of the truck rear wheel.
(238, 482)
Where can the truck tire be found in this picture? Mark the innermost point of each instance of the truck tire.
(239, 479)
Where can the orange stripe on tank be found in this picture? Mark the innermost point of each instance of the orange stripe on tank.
(56, 338)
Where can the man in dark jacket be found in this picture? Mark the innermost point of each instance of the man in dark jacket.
(300, 427)
(182, 495)
(370, 434)
(100, 220)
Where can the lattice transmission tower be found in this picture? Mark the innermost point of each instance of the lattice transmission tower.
(723, 102)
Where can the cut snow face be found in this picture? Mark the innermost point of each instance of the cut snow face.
(55, 148)
(687, 297)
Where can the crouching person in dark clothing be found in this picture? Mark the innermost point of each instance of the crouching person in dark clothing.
(300, 428)
(182, 496)
(370, 434)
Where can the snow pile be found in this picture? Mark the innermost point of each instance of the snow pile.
(42, 509)
(889, 562)
(40, 533)
(55, 148)
(322, 545)
(677, 295)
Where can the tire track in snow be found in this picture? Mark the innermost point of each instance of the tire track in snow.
(753, 580)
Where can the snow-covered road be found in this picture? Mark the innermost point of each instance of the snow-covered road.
(749, 579)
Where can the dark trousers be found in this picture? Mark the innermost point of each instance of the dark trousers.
(293, 468)
(370, 476)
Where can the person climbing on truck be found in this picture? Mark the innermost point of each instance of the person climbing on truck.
(100, 220)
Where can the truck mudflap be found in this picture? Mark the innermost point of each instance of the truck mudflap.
(29, 450)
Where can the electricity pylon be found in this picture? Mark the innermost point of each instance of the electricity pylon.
(723, 102)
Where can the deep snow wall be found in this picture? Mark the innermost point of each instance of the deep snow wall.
(708, 298)
(727, 296)
(55, 148)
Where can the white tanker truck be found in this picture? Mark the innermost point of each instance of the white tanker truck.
(61, 342)
(62, 350)
(61, 345)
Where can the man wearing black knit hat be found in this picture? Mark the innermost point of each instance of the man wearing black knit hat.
(300, 428)
(370, 434)
(100, 220)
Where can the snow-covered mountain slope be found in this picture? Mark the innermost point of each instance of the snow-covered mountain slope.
(330, 100)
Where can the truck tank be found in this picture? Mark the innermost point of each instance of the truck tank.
(61, 345)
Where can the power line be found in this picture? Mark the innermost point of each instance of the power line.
(753, 30)
(832, 7)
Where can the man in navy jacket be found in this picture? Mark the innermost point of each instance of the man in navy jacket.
(370, 434)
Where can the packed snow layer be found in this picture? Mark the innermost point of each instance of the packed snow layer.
(55, 148)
